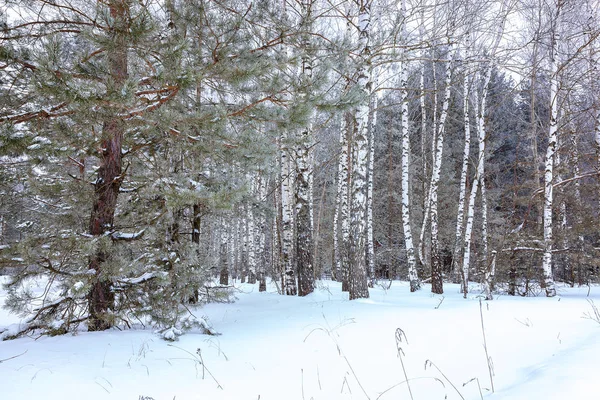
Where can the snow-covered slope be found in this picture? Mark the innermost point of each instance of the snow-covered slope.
(326, 347)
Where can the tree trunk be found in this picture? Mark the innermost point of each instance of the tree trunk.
(413, 277)
(370, 248)
(478, 183)
(358, 268)
(287, 221)
(424, 165)
(106, 188)
(346, 183)
(261, 238)
(336, 264)
(224, 253)
(303, 203)
(458, 241)
(578, 201)
(548, 279)
(253, 251)
(437, 285)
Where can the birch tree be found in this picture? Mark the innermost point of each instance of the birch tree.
(371, 157)
(287, 246)
(357, 240)
(303, 198)
(342, 212)
(413, 278)
(548, 279)
(456, 268)
(224, 252)
(477, 181)
(436, 262)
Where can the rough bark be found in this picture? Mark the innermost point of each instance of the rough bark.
(370, 248)
(344, 184)
(357, 241)
(548, 279)
(413, 277)
(260, 235)
(303, 203)
(341, 180)
(458, 241)
(224, 253)
(478, 184)
(424, 164)
(437, 285)
(108, 182)
(287, 246)
(252, 231)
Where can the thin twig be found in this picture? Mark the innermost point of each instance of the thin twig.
(487, 357)
(429, 362)
(10, 358)
(399, 334)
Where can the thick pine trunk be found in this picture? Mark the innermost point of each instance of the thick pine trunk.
(106, 188)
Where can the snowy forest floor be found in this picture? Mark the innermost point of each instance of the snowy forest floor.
(326, 347)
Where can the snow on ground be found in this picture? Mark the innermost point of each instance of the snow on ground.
(326, 347)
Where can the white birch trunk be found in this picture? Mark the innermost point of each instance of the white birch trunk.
(346, 162)
(594, 75)
(424, 186)
(244, 247)
(436, 265)
(302, 198)
(488, 271)
(340, 217)
(468, 236)
(237, 249)
(224, 251)
(549, 163)
(287, 246)
(252, 235)
(463, 176)
(371, 140)
(357, 244)
(427, 195)
(482, 139)
(478, 182)
(413, 277)
(260, 226)
(434, 142)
